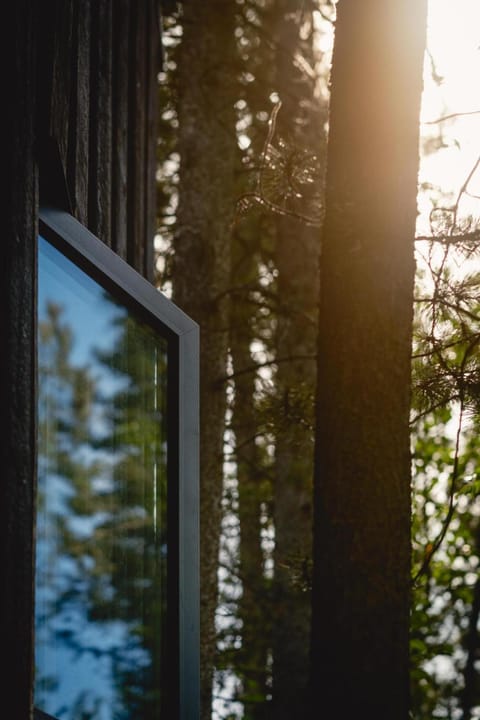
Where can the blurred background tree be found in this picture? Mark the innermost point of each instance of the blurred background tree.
(244, 98)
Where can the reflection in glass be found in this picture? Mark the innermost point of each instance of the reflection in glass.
(102, 502)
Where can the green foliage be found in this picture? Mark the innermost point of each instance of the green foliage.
(446, 486)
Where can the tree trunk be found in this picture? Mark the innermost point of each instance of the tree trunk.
(297, 248)
(361, 582)
(470, 673)
(202, 262)
(254, 610)
(296, 335)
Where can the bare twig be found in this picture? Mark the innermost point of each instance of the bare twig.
(444, 118)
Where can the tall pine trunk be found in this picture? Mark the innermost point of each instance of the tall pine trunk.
(206, 145)
(361, 582)
(295, 336)
(253, 608)
(297, 248)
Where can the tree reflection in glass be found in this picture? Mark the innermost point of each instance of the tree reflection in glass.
(101, 567)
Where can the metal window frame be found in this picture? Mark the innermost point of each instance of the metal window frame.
(83, 248)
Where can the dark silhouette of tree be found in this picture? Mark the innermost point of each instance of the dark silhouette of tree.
(300, 133)
(361, 558)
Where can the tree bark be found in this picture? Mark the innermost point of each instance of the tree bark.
(470, 673)
(254, 609)
(297, 248)
(361, 581)
(201, 272)
(293, 469)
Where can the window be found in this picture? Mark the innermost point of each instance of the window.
(116, 585)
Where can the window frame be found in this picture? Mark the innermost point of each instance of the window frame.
(107, 268)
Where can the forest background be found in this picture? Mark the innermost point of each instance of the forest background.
(242, 156)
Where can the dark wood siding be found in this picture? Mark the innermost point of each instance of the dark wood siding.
(79, 132)
(97, 118)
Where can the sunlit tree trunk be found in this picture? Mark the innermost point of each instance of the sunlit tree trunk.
(206, 144)
(361, 582)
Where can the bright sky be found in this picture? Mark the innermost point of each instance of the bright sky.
(453, 42)
(454, 45)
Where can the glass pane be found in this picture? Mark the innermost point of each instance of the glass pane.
(102, 502)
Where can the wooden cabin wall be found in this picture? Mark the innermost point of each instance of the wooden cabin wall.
(17, 371)
(98, 119)
(79, 119)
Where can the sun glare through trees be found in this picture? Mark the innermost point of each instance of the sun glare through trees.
(242, 215)
(444, 635)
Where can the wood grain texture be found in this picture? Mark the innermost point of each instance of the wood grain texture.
(17, 406)
(73, 120)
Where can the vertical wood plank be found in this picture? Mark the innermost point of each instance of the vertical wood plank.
(77, 167)
(153, 68)
(61, 80)
(120, 91)
(100, 170)
(137, 124)
(17, 371)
